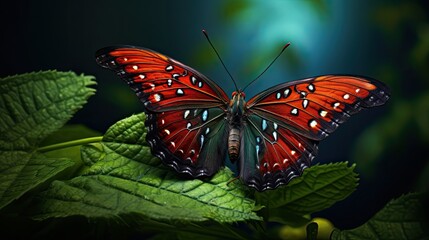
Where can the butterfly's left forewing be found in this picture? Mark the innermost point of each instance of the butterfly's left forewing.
(185, 110)
(284, 123)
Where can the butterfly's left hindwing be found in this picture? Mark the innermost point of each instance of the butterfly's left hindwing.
(271, 155)
(185, 110)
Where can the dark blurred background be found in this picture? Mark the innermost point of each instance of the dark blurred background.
(387, 40)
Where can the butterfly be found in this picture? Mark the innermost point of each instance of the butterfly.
(192, 125)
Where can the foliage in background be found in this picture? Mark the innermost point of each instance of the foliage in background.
(116, 183)
(404, 131)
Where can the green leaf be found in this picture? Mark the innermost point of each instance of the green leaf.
(402, 218)
(21, 172)
(124, 178)
(33, 105)
(320, 187)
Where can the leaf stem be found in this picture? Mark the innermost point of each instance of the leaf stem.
(70, 144)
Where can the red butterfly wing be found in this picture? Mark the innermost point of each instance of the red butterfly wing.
(271, 155)
(314, 107)
(291, 118)
(185, 110)
(162, 83)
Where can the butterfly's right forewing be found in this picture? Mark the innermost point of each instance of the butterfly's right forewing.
(185, 110)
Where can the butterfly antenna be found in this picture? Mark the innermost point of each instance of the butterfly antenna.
(223, 64)
(272, 62)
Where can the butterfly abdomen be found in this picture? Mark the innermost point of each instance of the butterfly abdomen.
(233, 143)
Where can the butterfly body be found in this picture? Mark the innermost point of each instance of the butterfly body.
(235, 118)
(192, 125)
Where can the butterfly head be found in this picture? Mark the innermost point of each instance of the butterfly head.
(238, 93)
(237, 102)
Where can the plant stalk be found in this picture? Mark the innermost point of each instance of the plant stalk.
(70, 144)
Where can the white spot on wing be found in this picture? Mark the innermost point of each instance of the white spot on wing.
(135, 67)
(175, 75)
(337, 104)
(169, 68)
(346, 96)
(186, 114)
(167, 131)
(286, 93)
(357, 90)
(264, 124)
(142, 76)
(323, 113)
(305, 103)
(205, 115)
(157, 97)
(173, 144)
(313, 123)
(180, 92)
(294, 111)
(201, 140)
(275, 136)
